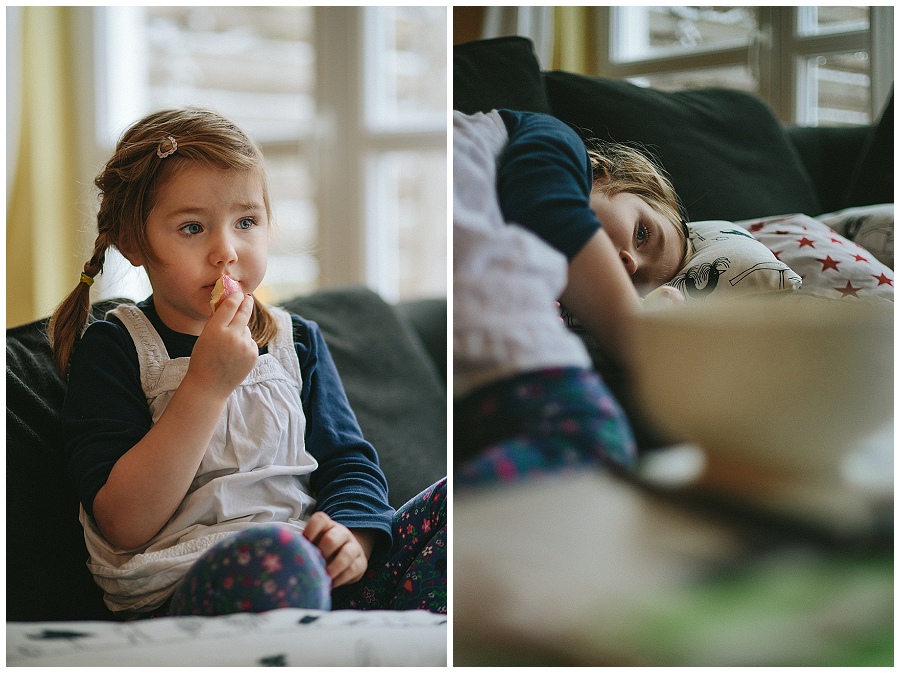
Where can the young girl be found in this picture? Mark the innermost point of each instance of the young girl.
(537, 218)
(218, 463)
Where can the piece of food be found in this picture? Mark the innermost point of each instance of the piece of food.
(224, 287)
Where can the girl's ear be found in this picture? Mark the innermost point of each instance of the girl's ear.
(131, 253)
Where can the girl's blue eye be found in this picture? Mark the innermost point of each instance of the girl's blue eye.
(192, 228)
(246, 223)
(642, 233)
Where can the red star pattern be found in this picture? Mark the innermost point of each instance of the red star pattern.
(848, 290)
(786, 240)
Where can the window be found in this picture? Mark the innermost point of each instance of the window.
(349, 107)
(814, 65)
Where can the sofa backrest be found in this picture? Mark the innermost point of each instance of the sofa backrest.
(724, 150)
(727, 154)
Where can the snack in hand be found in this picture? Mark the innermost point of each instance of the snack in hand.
(224, 287)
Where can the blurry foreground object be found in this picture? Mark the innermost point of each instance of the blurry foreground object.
(587, 570)
(764, 539)
(789, 399)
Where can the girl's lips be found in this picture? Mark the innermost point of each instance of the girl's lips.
(210, 287)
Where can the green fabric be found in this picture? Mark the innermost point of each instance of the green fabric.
(795, 608)
(724, 150)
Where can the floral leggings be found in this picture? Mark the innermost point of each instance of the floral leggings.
(536, 423)
(269, 567)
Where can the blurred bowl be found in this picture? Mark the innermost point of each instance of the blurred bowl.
(780, 386)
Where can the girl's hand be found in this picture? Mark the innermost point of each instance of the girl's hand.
(346, 552)
(225, 351)
(662, 296)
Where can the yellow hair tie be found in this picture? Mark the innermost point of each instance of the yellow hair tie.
(86, 279)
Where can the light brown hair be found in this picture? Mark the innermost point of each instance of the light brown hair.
(621, 168)
(129, 185)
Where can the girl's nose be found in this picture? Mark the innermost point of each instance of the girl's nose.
(629, 261)
(223, 251)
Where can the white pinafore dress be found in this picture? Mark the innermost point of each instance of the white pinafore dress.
(255, 470)
(505, 277)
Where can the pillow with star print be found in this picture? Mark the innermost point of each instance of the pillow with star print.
(725, 260)
(831, 266)
(870, 226)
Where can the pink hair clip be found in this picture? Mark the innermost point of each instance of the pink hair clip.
(172, 147)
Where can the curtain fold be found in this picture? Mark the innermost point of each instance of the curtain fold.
(575, 40)
(42, 264)
(564, 37)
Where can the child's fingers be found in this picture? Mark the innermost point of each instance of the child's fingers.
(663, 294)
(227, 309)
(316, 525)
(332, 540)
(348, 563)
(350, 571)
(345, 561)
(242, 314)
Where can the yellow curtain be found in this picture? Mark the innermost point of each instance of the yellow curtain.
(42, 264)
(574, 41)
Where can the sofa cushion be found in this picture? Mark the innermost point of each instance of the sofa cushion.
(393, 386)
(725, 151)
(821, 149)
(428, 317)
(497, 73)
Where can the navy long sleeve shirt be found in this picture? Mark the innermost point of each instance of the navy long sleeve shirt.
(544, 180)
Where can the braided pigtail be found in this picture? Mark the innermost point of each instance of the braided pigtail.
(263, 326)
(71, 317)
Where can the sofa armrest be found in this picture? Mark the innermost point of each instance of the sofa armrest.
(829, 154)
(850, 166)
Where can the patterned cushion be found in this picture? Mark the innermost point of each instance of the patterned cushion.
(831, 266)
(728, 261)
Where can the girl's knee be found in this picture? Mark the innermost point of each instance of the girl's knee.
(437, 491)
(257, 569)
(282, 542)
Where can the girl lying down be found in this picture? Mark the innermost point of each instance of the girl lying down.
(538, 217)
